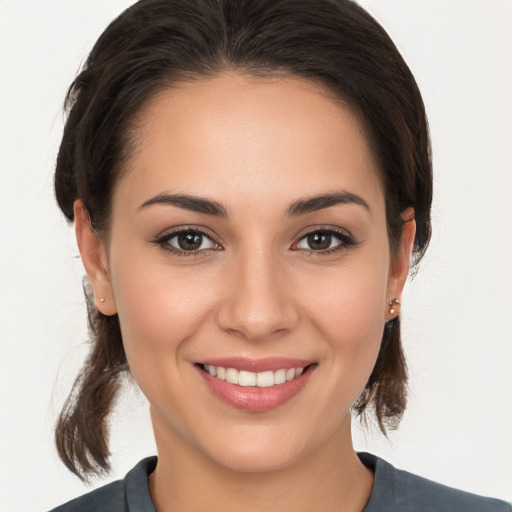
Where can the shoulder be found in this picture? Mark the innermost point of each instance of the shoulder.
(412, 489)
(109, 497)
(402, 491)
(131, 493)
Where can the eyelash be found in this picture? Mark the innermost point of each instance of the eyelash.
(163, 242)
(346, 241)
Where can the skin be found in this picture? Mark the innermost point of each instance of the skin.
(255, 146)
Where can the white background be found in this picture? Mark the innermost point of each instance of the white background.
(457, 313)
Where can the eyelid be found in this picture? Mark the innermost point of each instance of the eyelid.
(163, 239)
(345, 237)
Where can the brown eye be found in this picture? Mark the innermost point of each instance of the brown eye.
(189, 241)
(324, 241)
(319, 241)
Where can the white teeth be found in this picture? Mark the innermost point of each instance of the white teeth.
(246, 378)
(280, 377)
(232, 376)
(265, 379)
(260, 379)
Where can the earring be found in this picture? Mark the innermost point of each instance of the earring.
(101, 300)
(395, 303)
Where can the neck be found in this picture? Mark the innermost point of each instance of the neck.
(331, 479)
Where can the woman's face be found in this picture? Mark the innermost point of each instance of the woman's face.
(248, 238)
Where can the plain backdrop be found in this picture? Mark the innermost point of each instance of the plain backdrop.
(457, 312)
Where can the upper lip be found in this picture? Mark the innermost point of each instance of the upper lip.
(256, 365)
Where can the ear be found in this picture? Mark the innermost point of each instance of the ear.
(94, 257)
(400, 263)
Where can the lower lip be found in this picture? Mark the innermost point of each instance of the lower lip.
(253, 398)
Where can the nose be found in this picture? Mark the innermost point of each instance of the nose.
(259, 299)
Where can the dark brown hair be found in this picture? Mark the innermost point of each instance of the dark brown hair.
(157, 44)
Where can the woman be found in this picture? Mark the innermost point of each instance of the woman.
(248, 181)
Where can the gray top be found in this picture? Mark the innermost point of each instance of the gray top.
(393, 491)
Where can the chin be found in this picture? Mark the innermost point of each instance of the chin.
(257, 460)
(258, 449)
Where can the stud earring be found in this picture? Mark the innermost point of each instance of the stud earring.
(392, 305)
(101, 300)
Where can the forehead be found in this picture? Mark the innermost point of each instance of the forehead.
(248, 138)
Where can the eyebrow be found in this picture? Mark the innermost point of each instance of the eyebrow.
(187, 202)
(315, 203)
(300, 207)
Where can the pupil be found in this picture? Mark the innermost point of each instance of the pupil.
(189, 241)
(319, 241)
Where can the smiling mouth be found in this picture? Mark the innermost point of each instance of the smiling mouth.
(256, 385)
(260, 379)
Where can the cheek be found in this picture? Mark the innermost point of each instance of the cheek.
(350, 301)
(348, 308)
(159, 307)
